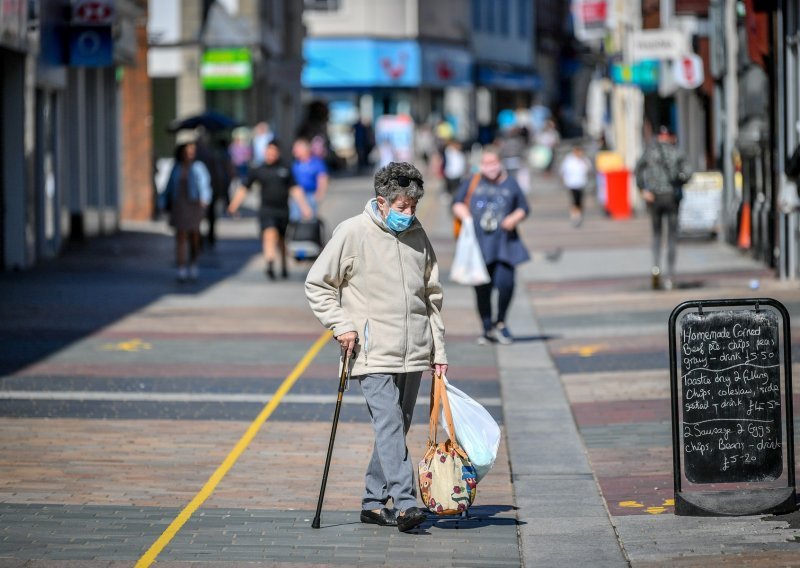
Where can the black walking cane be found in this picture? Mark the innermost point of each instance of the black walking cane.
(342, 385)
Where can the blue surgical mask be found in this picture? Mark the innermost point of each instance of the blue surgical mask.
(398, 222)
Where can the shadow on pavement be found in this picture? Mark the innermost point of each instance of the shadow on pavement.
(479, 516)
(93, 284)
(689, 284)
(531, 338)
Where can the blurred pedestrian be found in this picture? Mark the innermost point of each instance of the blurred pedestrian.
(277, 184)
(495, 204)
(425, 143)
(311, 174)
(660, 174)
(378, 277)
(385, 153)
(547, 140)
(455, 166)
(262, 135)
(187, 194)
(364, 141)
(513, 147)
(219, 168)
(575, 171)
(240, 153)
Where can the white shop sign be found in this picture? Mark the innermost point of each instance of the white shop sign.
(657, 44)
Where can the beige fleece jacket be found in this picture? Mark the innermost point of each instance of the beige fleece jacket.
(385, 287)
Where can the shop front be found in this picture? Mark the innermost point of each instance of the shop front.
(15, 244)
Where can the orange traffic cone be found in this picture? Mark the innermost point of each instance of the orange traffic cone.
(744, 227)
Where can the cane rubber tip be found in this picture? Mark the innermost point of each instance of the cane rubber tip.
(315, 524)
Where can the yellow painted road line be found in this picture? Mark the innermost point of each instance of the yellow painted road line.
(155, 549)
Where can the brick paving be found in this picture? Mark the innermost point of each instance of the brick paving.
(120, 401)
(609, 342)
(90, 481)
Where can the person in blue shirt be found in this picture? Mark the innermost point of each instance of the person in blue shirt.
(495, 205)
(311, 174)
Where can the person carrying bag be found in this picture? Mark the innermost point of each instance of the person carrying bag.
(447, 480)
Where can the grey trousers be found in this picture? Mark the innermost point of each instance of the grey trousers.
(390, 473)
(659, 214)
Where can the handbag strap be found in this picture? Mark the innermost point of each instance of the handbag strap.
(439, 396)
(434, 417)
(471, 189)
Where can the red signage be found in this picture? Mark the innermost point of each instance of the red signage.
(92, 13)
(594, 12)
(589, 19)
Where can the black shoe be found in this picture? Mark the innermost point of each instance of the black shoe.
(385, 518)
(269, 271)
(412, 518)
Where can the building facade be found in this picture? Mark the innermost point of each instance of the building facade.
(738, 115)
(429, 60)
(242, 58)
(60, 142)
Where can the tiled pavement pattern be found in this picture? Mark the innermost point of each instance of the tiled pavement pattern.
(121, 392)
(608, 335)
(124, 391)
(65, 532)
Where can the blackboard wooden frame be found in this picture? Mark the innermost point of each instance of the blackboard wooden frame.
(740, 501)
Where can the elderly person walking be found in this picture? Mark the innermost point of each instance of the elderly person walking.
(376, 286)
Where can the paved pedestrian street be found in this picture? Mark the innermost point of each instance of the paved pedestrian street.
(143, 421)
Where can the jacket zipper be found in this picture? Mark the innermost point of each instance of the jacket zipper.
(405, 297)
(366, 343)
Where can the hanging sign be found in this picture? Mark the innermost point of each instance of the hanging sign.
(657, 44)
(688, 71)
(92, 13)
(227, 69)
(589, 19)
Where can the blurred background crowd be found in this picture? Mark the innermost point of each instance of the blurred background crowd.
(96, 94)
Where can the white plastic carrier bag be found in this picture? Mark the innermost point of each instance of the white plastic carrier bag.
(468, 266)
(476, 430)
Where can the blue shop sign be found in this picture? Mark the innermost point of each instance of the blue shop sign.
(91, 46)
(445, 65)
(508, 79)
(331, 63)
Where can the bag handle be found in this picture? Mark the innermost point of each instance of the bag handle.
(434, 417)
(439, 395)
(476, 178)
(471, 189)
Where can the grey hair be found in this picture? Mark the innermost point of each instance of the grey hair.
(386, 185)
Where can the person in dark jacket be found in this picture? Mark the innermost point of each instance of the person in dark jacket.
(660, 174)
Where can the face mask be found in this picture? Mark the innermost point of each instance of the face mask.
(398, 222)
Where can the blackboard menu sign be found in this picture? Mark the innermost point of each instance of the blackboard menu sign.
(730, 381)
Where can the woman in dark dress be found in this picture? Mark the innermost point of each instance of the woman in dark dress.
(186, 196)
